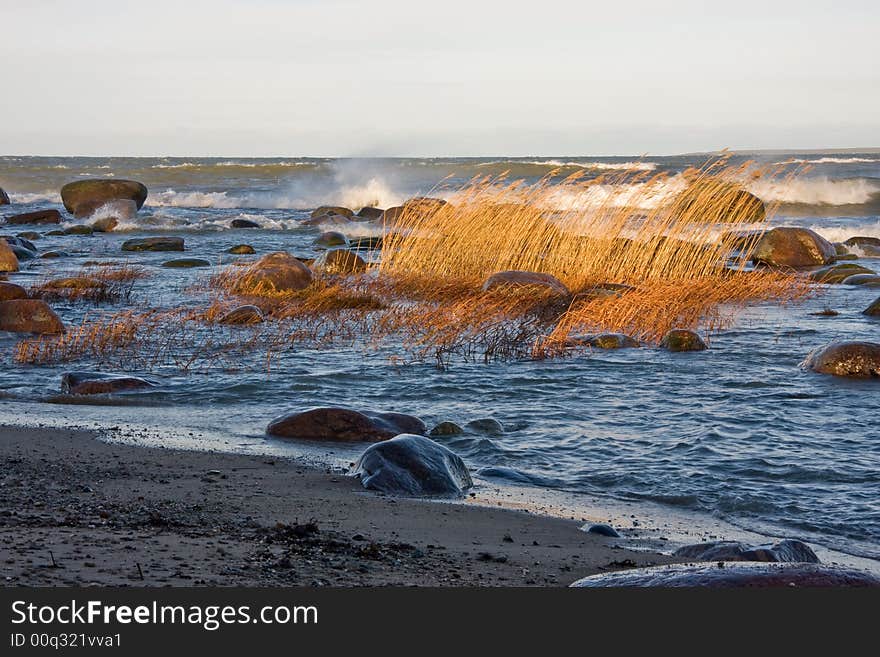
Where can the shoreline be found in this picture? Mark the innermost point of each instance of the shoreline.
(120, 515)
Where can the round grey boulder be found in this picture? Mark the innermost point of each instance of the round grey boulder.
(851, 358)
(413, 465)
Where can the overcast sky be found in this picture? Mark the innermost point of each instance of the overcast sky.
(406, 77)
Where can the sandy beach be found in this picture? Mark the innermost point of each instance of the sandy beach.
(80, 511)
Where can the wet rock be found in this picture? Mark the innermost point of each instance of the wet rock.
(339, 261)
(343, 424)
(54, 233)
(393, 214)
(243, 315)
(275, 272)
(55, 254)
(104, 224)
(446, 429)
(719, 201)
(30, 235)
(486, 425)
(526, 279)
(98, 383)
(83, 197)
(4, 197)
(331, 238)
(612, 341)
(856, 359)
(326, 210)
(78, 229)
(873, 310)
(23, 253)
(29, 316)
(370, 213)
(186, 263)
(19, 241)
(8, 259)
(682, 340)
(603, 530)
(785, 551)
(10, 291)
(860, 241)
(241, 249)
(244, 223)
(753, 575)
(38, 217)
(424, 204)
(368, 243)
(793, 247)
(838, 273)
(868, 280)
(412, 465)
(153, 244)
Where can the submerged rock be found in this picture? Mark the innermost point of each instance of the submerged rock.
(186, 263)
(754, 575)
(241, 249)
(10, 291)
(29, 316)
(787, 551)
(525, 279)
(244, 223)
(55, 254)
(243, 315)
(343, 424)
(682, 340)
(868, 280)
(326, 210)
(486, 425)
(4, 197)
(38, 217)
(446, 429)
(98, 383)
(838, 273)
(73, 283)
(79, 229)
(153, 244)
(105, 224)
(30, 235)
(83, 197)
(8, 259)
(275, 272)
(793, 247)
(412, 465)
(612, 341)
(331, 238)
(857, 359)
(23, 253)
(339, 261)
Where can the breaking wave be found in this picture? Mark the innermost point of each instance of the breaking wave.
(817, 190)
(832, 160)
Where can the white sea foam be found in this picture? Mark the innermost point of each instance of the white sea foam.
(832, 160)
(35, 197)
(816, 190)
(609, 166)
(842, 233)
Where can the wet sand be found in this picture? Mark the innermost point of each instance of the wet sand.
(75, 510)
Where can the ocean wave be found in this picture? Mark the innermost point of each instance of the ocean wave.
(232, 163)
(35, 197)
(816, 190)
(832, 160)
(843, 233)
(610, 166)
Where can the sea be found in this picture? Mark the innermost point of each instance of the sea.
(737, 440)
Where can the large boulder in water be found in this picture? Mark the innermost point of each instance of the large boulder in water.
(343, 424)
(326, 210)
(153, 244)
(339, 261)
(369, 213)
(793, 247)
(29, 316)
(275, 272)
(611, 341)
(718, 201)
(8, 259)
(83, 197)
(517, 280)
(242, 316)
(682, 340)
(98, 383)
(874, 309)
(38, 217)
(413, 465)
(786, 551)
(838, 273)
(734, 575)
(331, 238)
(857, 359)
